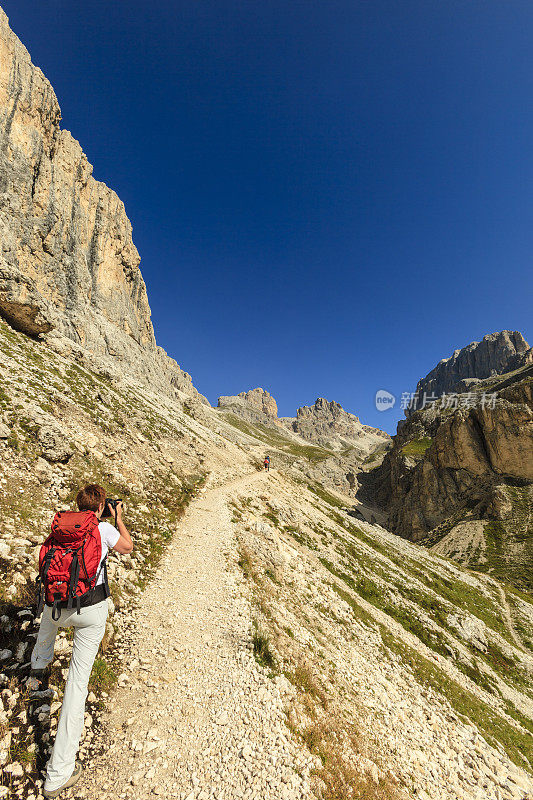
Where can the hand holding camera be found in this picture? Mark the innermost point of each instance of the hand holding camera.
(113, 508)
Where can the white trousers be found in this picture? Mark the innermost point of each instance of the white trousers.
(89, 628)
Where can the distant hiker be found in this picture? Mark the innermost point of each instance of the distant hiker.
(73, 592)
(266, 463)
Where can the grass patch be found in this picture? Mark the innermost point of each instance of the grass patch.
(336, 741)
(271, 516)
(262, 649)
(245, 563)
(269, 572)
(509, 548)
(451, 588)
(103, 676)
(304, 678)
(326, 496)
(416, 447)
(21, 753)
(276, 439)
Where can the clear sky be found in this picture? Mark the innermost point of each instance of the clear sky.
(328, 197)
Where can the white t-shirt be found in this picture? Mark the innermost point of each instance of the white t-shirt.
(109, 536)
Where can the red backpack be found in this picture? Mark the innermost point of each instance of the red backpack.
(68, 561)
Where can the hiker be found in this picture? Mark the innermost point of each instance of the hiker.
(74, 592)
(266, 463)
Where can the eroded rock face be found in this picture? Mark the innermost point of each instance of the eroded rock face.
(256, 405)
(453, 472)
(447, 470)
(327, 424)
(494, 355)
(68, 267)
(262, 401)
(442, 461)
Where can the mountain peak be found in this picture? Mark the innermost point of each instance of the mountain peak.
(495, 354)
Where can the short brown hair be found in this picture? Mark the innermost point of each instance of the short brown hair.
(91, 497)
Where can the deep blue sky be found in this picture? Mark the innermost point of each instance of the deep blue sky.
(328, 197)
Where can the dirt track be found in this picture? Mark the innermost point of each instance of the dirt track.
(196, 717)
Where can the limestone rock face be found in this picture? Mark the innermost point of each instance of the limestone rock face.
(327, 424)
(68, 267)
(495, 354)
(464, 479)
(256, 405)
(262, 400)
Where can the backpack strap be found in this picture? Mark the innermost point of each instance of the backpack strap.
(74, 577)
(56, 608)
(41, 580)
(107, 590)
(103, 566)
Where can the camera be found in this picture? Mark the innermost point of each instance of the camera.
(110, 507)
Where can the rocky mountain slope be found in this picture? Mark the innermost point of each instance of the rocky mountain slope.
(262, 643)
(256, 405)
(68, 267)
(327, 424)
(334, 442)
(379, 666)
(460, 478)
(495, 354)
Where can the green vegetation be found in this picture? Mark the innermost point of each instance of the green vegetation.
(275, 438)
(270, 515)
(272, 576)
(508, 552)
(174, 500)
(18, 751)
(369, 590)
(302, 538)
(521, 619)
(245, 563)
(103, 676)
(305, 679)
(495, 728)
(404, 614)
(236, 513)
(483, 603)
(326, 496)
(262, 648)
(333, 738)
(518, 744)
(444, 595)
(416, 447)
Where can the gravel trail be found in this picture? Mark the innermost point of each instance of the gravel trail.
(509, 618)
(194, 716)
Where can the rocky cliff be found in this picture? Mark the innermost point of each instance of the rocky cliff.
(327, 424)
(495, 354)
(69, 270)
(256, 405)
(461, 478)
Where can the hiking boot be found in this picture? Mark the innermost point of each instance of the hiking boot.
(74, 778)
(38, 680)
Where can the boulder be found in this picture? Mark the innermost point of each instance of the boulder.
(56, 447)
(471, 629)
